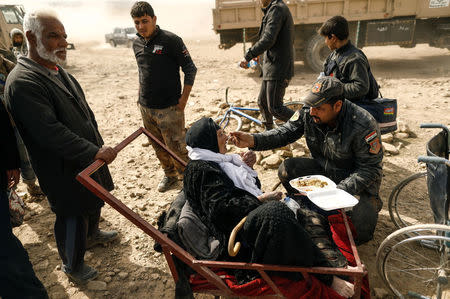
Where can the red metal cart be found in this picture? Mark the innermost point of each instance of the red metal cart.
(208, 269)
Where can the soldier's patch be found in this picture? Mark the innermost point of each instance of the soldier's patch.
(296, 116)
(375, 146)
(316, 88)
(371, 136)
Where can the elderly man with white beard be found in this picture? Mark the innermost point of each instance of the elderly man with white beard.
(61, 134)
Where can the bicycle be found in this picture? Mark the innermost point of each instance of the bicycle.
(420, 252)
(233, 115)
(409, 200)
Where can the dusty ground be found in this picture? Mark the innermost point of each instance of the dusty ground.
(419, 78)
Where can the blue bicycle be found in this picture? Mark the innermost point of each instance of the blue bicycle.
(233, 115)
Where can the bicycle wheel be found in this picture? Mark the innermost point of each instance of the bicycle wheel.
(409, 203)
(411, 269)
(231, 122)
(294, 106)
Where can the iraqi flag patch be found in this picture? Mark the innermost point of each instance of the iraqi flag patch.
(374, 142)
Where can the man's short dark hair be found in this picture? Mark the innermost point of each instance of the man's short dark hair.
(142, 8)
(337, 25)
(334, 100)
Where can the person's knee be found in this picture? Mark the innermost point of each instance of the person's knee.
(364, 218)
(283, 172)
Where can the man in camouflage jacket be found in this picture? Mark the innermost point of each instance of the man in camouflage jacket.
(345, 145)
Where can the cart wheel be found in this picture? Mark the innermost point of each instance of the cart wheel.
(405, 256)
(294, 106)
(231, 122)
(409, 202)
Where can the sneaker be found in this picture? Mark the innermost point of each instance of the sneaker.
(34, 190)
(102, 237)
(81, 276)
(166, 183)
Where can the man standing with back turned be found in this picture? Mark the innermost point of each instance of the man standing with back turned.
(276, 39)
(159, 55)
(61, 135)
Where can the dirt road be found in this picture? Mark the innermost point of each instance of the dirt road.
(419, 78)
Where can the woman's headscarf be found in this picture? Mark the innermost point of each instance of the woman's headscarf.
(201, 140)
(203, 134)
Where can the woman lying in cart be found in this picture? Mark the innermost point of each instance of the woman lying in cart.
(221, 189)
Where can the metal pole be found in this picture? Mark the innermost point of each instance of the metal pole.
(244, 39)
(357, 33)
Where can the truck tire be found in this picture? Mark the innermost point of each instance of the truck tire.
(129, 43)
(112, 43)
(316, 53)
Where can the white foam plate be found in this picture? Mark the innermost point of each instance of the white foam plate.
(332, 199)
(328, 197)
(308, 189)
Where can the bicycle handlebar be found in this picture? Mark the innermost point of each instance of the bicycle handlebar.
(434, 160)
(434, 126)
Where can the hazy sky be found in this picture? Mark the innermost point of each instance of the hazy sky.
(89, 20)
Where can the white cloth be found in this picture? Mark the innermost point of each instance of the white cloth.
(242, 176)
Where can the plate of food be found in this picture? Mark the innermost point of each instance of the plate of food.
(323, 192)
(312, 183)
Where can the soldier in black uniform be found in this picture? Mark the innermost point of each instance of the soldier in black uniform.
(347, 63)
(276, 38)
(345, 145)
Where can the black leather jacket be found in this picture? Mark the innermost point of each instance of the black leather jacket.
(276, 38)
(348, 153)
(351, 66)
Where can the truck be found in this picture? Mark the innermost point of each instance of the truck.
(11, 17)
(371, 23)
(121, 36)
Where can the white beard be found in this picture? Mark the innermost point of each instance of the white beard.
(50, 56)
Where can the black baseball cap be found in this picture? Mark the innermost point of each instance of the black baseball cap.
(323, 90)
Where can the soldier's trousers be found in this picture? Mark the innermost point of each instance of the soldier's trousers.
(364, 215)
(168, 126)
(270, 101)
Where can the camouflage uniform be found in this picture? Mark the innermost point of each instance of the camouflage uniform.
(349, 154)
(168, 126)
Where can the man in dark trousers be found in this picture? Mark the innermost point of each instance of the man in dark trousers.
(17, 278)
(159, 55)
(276, 39)
(61, 134)
(347, 63)
(345, 146)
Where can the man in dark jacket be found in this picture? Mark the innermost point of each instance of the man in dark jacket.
(345, 145)
(347, 63)
(17, 278)
(276, 38)
(62, 137)
(159, 55)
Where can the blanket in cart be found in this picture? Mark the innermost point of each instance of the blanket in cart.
(289, 288)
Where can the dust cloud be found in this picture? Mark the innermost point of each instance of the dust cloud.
(88, 21)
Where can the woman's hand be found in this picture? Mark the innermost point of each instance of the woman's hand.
(249, 158)
(270, 196)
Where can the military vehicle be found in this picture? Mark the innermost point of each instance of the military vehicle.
(11, 17)
(372, 23)
(121, 36)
